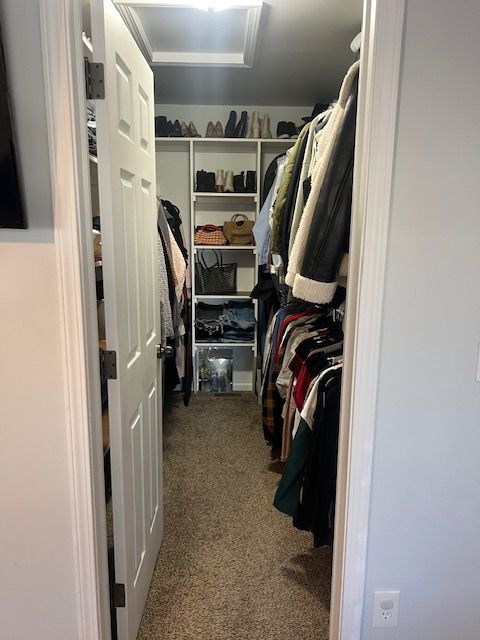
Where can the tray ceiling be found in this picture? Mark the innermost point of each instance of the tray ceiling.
(182, 34)
(278, 52)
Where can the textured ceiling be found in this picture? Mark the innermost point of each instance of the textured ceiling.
(301, 58)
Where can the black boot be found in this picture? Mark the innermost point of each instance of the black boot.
(239, 183)
(251, 182)
(161, 127)
(210, 179)
(231, 125)
(201, 181)
(241, 128)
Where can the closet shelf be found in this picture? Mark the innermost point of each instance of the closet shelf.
(241, 295)
(211, 194)
(180, 140)
(225, 344)
(223, 247)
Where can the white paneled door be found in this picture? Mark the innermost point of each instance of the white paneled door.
(126, 172)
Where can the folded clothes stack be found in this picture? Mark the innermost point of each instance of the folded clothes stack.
(232, 321)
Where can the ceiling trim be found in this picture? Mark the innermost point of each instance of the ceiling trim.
(193, 58)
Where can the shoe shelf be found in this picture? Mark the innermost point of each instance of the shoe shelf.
(240, 295)
(207, 345)
(226, 141)
(231, 196)
(225, 247)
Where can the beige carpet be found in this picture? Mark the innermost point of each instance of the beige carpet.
(231, 567)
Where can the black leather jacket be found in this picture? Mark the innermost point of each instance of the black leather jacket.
(330, 228)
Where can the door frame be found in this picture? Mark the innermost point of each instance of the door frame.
(62, 55)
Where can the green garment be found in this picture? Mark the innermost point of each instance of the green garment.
(287, 497)
(281, 199)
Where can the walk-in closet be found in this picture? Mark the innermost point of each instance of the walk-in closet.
(221, 143)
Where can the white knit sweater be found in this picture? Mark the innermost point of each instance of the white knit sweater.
(327, 140)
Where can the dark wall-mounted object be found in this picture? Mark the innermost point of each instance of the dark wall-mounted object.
(12, 211)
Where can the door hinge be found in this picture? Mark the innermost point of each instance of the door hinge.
(94, 80)
(118, 595)
(108, 363)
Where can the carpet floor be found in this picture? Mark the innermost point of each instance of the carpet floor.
(231, 567)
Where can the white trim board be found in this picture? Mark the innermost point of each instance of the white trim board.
(375, 146)
(244, 58)
(62, 53)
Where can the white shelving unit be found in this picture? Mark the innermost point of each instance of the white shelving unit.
(178, 160)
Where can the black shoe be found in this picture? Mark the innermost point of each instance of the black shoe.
(251, 185)
(211, 182)
(231, 125)
(176, 130)
(292, 130)
(283, 130)
(201, 181)
(161, 127)
(241, 128)
(239, 183)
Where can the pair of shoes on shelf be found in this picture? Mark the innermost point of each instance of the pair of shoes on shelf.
(166, 129)
(224, 182)
(245, 186)
(287, 130)
(260, 128)
(189, 131)
(214, 130)
(234, 129)
(229, 183)
(205, 182)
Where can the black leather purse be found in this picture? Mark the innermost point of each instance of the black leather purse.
(216, 279)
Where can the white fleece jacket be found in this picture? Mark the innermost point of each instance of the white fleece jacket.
(305, 172)
(328, 136)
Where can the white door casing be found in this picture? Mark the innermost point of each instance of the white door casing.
(126, 172)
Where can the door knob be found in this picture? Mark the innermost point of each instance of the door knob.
(164, 351)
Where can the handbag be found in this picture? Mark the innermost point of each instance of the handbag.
(239, 232)
(217, 279)
(209, 234)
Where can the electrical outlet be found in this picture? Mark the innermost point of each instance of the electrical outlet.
(385, 608)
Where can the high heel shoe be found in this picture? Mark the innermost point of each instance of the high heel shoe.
(231, 125)
(241, 128)
(266, 133)
(218, 130)
(176, 130)
(210, 130)
(184, 129)
(255, 126)
(192, 131)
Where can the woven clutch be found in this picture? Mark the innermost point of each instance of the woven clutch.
(211, 235)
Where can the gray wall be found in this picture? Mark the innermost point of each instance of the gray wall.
(424, 534)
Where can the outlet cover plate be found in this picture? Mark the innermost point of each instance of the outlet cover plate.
(385, 608)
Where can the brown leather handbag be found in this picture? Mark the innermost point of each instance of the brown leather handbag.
(209, 234)
(239, 230)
